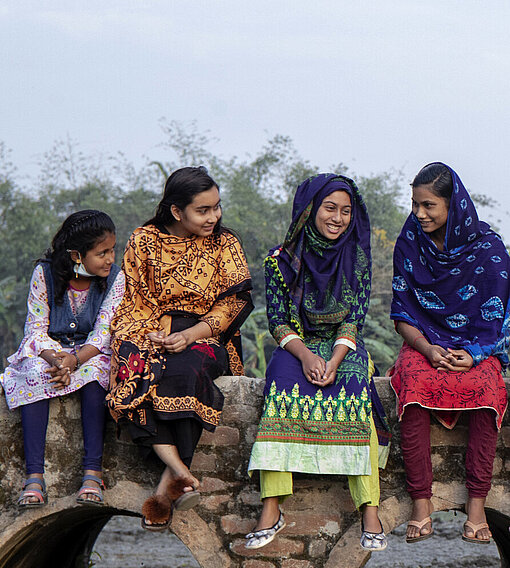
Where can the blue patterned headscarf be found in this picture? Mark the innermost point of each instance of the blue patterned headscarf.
(328, 280)
(458, 297)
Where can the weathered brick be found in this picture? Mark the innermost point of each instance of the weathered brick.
(211, 484)
(436, 460)
(250, 433)
(505, 436)
(498, 466)
(223, 436)
(214, 502)
(293, 563)
(441, 436)
(250, 497)
(257, 564)
(280, 548)
(320, 499)
(203, 462)
(317, 548)
(233, 524)
(312, 523)
(236, 414)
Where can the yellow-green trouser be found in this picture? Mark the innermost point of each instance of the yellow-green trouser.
(364, 488)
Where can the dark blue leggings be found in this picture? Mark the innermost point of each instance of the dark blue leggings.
(34, 418)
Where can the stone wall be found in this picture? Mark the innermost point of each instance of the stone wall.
(322, 526)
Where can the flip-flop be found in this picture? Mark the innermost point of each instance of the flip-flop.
(91, 490)
(40, 495)
(475, 529)
(419, 525)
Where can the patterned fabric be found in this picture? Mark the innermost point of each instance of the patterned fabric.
(25, 380)
(185, 388)
(325, 278)
(305, 428)
(458, 297)
(173, 283)
(415, 381)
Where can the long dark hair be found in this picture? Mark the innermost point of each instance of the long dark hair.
(180, 189)
(439, 177)
(81, 231)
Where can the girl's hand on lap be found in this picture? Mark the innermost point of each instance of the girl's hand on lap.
(67, 360)
(157, 337)
(458, 360)
(314, 367)
(175, 342)
(437, 356)
(61, 378)
(329, 375)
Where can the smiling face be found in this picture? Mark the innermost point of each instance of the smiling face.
(99, 259)
(431, 212)
(334, 215)
(199, 217)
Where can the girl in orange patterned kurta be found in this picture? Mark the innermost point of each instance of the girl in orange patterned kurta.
(176, 330)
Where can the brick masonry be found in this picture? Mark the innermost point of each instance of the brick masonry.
(322, 526)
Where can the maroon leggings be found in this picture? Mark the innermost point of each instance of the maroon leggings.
(415, 443)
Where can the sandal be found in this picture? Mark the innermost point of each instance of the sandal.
(91, 490)
(475, 529)
(187, 500)
(183, 500)
(258, 539)
(158, 510)
(419, 525)
(373, 541)
(40, 495)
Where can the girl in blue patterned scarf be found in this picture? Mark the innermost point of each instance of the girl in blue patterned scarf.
(321, 413)
(450, 304)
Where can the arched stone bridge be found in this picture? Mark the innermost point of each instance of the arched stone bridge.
(322, 532)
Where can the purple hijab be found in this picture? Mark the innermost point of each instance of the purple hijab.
(327, 279)
(458, 297)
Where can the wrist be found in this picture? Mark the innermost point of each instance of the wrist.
(78, 361)
(189, 336)
(424, 341)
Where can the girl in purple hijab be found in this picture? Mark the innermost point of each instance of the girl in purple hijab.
(321, 412)
(451, 306)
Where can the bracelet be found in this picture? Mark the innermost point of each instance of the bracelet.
(419, 337)
(78, 362)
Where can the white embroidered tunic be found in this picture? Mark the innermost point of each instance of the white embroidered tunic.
(25, 380)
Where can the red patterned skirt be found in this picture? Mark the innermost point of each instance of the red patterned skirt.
(446, 393)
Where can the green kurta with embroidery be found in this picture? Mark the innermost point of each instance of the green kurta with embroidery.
(309, 429)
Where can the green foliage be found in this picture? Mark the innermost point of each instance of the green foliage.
(256, 193)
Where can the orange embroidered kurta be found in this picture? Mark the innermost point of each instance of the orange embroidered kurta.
(173, 281)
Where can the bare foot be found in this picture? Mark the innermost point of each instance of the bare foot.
(169, 478)
(476, 514)
(422, 508)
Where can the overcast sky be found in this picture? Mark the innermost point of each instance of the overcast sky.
(373, 84)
